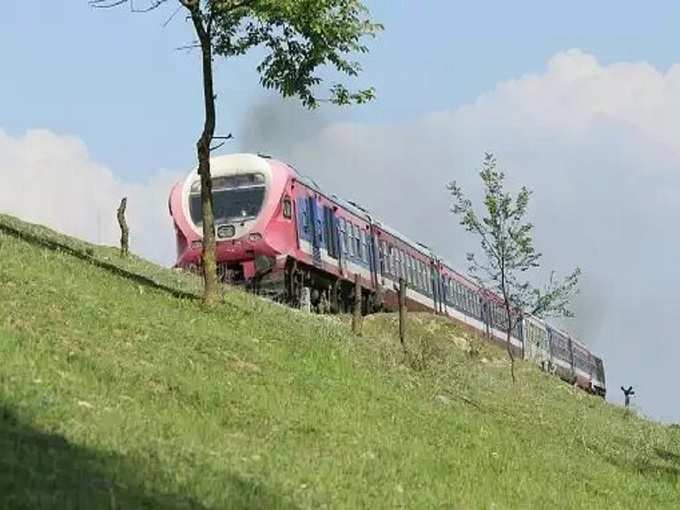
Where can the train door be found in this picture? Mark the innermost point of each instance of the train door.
(331, 234)
(316, 230)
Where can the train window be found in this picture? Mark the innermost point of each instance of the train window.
(319, 231)
(352, 246)
(341, 241)
(393, 262)
(360, 244)
(381, 256)
(341, 234)
(345, 234)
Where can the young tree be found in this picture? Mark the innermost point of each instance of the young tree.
(298, 38)
(508, 253)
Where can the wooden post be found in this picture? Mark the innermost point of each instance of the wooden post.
(356, 311)
(402, 311)
(124, 232)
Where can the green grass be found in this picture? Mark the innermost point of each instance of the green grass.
(117, 390)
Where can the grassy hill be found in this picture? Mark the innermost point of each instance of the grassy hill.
(117, 390)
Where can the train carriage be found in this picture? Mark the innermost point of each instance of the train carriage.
(277, 231)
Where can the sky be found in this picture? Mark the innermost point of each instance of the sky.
(580, 102)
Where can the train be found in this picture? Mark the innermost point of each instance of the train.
(278, 232)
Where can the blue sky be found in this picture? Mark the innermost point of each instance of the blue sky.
(115, 80)
(580, 101)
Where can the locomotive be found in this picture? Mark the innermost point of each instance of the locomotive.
(279, 233)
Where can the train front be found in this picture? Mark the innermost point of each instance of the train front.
(253, 216)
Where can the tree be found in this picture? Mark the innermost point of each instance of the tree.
(298, 37)
(508, 253)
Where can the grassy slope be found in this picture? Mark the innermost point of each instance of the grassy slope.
(116, 392)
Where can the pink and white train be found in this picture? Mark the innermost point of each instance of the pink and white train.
(277, 231)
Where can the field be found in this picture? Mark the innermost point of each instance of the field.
(118, 390)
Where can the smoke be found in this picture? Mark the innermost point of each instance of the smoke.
(52, 180)
(598, 146)
(274, 126)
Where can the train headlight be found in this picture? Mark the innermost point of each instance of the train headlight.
(255, 237)
(196, 245)
(226, 231)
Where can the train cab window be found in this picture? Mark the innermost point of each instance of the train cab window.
(235, 198)
(287, 208)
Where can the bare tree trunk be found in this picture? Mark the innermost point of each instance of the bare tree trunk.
(402, 312)
(512, 359)
(356, 311)
(124, 232)
(211, 284)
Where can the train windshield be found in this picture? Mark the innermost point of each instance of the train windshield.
(235, 198)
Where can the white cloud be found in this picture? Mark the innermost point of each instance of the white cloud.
(597, 143)
(52, 180)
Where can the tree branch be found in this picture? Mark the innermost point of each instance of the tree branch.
(108, 4)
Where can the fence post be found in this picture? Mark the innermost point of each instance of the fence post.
(402, 311)
(124, 232)
(356, 311)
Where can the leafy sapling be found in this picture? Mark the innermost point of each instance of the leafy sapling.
(507, 254)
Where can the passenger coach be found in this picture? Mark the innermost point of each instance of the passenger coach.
(277, 231)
